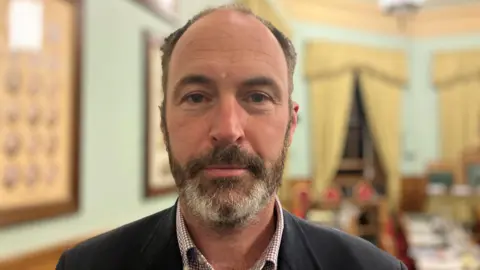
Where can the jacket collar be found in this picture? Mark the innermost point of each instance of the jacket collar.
(295, 253)
(161, 250)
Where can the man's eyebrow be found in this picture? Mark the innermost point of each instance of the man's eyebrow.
(191, 79)
(262, 81)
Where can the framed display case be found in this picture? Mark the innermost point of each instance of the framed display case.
(40, 65)
(158, 179)
(166, 9)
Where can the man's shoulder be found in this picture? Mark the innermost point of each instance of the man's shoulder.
(118, 246)
(340, 249)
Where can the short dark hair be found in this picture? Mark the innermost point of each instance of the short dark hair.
(170, 42)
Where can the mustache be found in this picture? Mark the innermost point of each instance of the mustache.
(227, 155)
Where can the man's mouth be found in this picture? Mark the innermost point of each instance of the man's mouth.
(225, 170)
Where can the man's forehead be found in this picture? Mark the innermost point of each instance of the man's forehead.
(228, 44)
(221, 26)
(224, 19)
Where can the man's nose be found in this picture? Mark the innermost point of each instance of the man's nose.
(227, 122)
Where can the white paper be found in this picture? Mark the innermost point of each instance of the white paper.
(168, 5)
(461, 190)
(25, 25)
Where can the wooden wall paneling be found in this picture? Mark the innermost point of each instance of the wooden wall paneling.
(414, 194)
(42, 259)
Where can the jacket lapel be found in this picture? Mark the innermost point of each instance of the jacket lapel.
(295, 254)
(161, 250)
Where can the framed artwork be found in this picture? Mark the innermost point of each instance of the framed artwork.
(39, 109)
(158, 179)
(166, 9)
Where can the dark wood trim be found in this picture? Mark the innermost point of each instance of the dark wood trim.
(148, 39)
(159, 12)
(42, 259)
(26, 214)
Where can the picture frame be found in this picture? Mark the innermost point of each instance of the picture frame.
(165, 9)
(157, 179)
(40, 179)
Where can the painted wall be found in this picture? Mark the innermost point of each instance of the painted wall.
(423, 141)
(112, 106)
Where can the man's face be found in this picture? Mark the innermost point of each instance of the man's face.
(228, 118)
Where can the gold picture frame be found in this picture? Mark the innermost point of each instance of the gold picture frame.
(39, 158)
(158, 179)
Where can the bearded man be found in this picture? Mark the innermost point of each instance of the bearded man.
(228, 119)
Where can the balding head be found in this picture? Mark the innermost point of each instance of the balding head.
(235, 13)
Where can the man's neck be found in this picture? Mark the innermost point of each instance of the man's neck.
(244, 246)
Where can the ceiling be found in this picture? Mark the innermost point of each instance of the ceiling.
(437, 3)
(435, 18)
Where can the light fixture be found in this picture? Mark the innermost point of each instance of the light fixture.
(400, 7)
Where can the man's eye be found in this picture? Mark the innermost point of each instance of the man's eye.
(195, 98)
(258, 98)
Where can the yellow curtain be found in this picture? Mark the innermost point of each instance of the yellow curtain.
(457, 78)
(327, 58)
(472, 105)
(330, 68)
(383, 108)
(330, 102)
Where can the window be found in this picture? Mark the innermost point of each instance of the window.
(354, 147)
(360, 160)
(357, 140)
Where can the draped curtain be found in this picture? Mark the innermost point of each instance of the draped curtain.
(330, 69)
(330, 103)
(457, 79)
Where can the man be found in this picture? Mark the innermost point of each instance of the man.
(228, 120)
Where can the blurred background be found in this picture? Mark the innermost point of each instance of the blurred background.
(387, 146)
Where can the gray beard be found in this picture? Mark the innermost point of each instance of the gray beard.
(226, 209)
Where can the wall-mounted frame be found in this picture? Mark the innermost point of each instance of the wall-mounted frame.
(158, 179)
(165, 9)
(41, 84)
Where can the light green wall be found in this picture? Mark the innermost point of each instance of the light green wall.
(112, 127)
(422, 120)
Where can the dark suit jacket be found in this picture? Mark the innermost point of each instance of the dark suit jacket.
(151, 244)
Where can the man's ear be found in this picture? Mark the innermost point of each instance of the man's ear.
(294, 121)
(163, 123)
